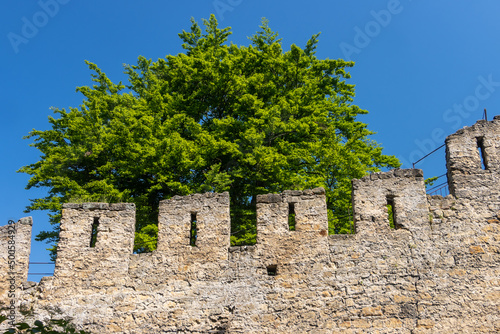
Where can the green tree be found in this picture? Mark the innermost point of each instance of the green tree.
(220, 117)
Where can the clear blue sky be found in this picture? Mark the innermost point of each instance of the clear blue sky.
(424, 68)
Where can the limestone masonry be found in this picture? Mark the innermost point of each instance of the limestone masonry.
(438, 271)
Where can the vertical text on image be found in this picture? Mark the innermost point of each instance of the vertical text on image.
(11, 261)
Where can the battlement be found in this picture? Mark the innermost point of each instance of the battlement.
(195, 229)
(95, 242)
(96, 239)
(435, 270)
(473, 160)
(401, 189)
(195, 224)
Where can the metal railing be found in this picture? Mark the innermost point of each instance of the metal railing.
(441, 189)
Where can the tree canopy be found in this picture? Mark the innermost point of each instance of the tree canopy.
(219, 117)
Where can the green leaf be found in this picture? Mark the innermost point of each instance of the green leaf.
(220, 117)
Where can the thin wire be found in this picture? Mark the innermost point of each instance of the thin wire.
(40, 273)
(427, 155)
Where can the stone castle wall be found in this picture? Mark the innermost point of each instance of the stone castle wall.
(437, 271)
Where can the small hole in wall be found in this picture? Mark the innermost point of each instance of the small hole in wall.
(93, 235)
(391, 212)
(482, 153)
(291, 216)
(193, 233)
(272, 270)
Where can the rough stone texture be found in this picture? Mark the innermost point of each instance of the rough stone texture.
(407, 191)
(438, 272)
(77, 262)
